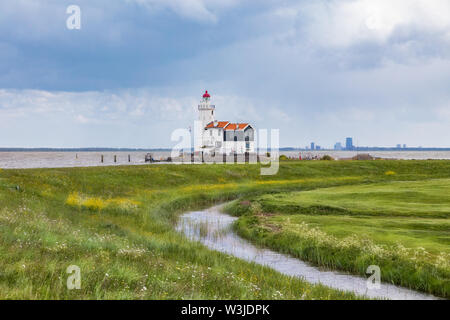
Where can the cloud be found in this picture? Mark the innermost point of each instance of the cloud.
(344, 23)
(443, 112)
(318, 70)
(101, 116)
(106, 106)
(203, 11)
(366, 34)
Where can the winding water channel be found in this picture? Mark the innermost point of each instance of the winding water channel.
(214, 229)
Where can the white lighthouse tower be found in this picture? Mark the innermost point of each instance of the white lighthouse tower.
(206, 110)
(205, 116)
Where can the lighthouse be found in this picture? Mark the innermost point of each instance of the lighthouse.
(206, 110)
(223, 137)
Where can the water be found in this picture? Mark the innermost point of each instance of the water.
(17, 160)
(213, 229)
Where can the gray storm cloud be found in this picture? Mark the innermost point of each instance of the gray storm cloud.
(322, 70)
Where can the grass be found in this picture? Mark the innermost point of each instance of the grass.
(403, 227)
(117, 225)
(418, 199)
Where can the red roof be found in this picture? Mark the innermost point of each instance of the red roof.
(218, 124)
(206, 95)
(231, 126)
(236, 126)
(226, 125)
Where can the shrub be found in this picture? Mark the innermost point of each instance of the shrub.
(327, 158)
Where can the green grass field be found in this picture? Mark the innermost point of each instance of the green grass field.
(419, 199)
(403, 227)
(117, 225)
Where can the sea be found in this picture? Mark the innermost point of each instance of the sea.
(50, 159)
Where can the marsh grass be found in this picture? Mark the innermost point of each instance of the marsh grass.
(203, 229)
(403, 227)
(117, 225)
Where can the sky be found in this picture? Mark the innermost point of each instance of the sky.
(322, 70)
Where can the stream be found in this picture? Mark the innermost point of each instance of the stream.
(214, 229)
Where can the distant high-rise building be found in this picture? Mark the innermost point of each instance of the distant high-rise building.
(399, 146)
(349, 144)
(404, 146)
(338, 146)
(318, 147)
(313, 146)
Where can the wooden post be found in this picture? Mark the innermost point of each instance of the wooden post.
(101, 159)
(224, 158)
(235, 157)
(115, 158)
(203, 160)
(129, 158)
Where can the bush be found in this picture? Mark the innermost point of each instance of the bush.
(327, 158)
(283, 158)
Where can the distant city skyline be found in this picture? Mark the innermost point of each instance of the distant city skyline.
(349, 146)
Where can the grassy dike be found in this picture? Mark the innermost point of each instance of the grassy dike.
(117, 225)
(401, 226)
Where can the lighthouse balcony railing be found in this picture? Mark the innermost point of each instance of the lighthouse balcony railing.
(206, 106)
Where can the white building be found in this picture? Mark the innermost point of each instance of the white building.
(222, 137)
